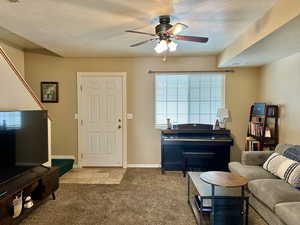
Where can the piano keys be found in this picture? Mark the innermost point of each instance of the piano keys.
(195, 147)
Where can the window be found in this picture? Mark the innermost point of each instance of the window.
(187, 98)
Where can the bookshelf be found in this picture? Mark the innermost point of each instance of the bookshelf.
(263, 127)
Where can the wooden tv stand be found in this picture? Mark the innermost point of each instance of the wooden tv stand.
(39, 182)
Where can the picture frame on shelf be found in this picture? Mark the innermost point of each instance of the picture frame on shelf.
(49, 92)
(259, 108)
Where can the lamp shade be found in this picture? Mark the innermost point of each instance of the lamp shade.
(223, 113)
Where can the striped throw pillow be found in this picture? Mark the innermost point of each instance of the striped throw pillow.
(284, 168)
(273, 162)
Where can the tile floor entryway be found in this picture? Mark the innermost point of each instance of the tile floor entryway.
(93, 176)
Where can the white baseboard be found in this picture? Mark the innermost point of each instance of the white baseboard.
(143, 165)
(63, 157)
(128, 165)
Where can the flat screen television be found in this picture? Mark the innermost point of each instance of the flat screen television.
(23, 141)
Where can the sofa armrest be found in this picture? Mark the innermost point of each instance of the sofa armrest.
(255, 158)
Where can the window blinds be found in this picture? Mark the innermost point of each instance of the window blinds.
(188, 98)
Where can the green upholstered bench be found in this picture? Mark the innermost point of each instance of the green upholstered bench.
(64, 165)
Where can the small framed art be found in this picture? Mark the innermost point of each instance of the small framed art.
(49, 92)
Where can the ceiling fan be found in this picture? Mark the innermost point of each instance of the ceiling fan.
(165, 33)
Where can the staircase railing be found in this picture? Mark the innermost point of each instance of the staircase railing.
(23, 81)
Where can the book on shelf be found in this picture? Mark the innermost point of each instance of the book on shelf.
(253, 144)
(256, 129)
(271, 111)
(259, 109)
(268, 132)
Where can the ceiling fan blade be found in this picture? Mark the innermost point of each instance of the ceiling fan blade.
(177, 28)
(138, 32)
(191, 38)
(143, 42)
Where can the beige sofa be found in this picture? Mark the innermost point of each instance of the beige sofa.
(275, 200)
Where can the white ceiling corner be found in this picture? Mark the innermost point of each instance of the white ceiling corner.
(93, 28)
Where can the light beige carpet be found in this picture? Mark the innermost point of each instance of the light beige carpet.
(144, 197)
(93, 176)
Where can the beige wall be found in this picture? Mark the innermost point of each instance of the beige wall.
(16, 55)
(279, 84)
(241, 93)
(143, 138)
(14, 95)
(280, 14)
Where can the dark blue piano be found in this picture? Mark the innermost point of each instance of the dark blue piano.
(195, 147)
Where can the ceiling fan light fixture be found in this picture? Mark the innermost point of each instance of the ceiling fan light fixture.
(172, 46)
(177, 28)
(165, 33)
(161, 46)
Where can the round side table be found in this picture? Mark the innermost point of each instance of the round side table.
(226, 180)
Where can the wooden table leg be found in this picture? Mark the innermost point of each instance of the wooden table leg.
(184, 166)
(53, 196)
(247, 205)
(188, 181)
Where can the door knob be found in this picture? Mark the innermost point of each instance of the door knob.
(119, 120)
(119, 127)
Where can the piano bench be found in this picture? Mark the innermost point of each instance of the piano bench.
(198, 156)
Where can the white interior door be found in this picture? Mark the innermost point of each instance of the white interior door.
(101, 120)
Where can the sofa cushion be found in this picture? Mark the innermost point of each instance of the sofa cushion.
(273, 191)
(293, 153)
(250, 172)
(255, 158)
(281, 148)
(273, 162)
(288, 212)
(286, 169)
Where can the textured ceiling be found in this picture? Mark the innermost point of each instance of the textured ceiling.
(93, 28)
(16, 40)
(279, 44)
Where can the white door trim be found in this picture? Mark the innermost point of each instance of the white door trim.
(124, 103)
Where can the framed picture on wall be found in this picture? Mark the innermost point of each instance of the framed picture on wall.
(49, 92)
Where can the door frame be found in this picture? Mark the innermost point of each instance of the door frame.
(123, 75)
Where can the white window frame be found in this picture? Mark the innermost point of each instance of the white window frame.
(158, 126)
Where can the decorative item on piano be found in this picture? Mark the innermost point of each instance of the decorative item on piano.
(169, 125)
(217, 125)
(222, 115)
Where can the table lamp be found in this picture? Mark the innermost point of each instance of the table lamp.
(223, 115)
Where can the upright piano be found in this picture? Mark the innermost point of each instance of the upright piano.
(195, 147)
